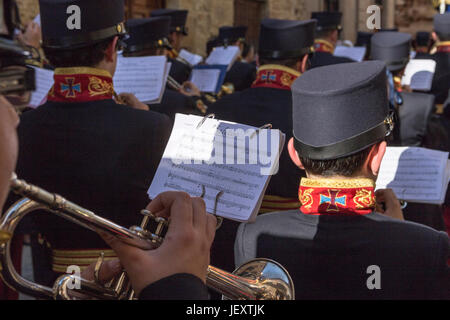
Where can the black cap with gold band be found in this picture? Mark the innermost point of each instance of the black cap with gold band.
(147, 33)
(71, 24)
(179, 18)
(341, 109)
(327, 20)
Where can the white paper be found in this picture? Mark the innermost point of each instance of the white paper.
(145, 77)
(419, 74)
(224, 56)
(193, 59)
(44, 82)
(193, 162)
(205, 79)
(415, 174)
(354, 53)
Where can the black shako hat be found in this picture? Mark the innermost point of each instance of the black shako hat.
(341, 109)
(441, 24)
(179, 17)
(327, 20)
(393, 48)
(147, 33)
(286, 39)
(228, 35)
(71, 24)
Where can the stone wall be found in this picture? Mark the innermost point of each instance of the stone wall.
(28, 9)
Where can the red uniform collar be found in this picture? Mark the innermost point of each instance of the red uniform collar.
(337, 197)
(275, 76)
(321, 45)
(81, 84)
(443, 47)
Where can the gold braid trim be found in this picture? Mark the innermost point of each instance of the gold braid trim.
(338, 183)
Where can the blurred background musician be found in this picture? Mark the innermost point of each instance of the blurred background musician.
(327, 34)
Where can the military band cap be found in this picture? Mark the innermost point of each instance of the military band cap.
(327, 20)
(229, 35)
(341, 109)
(70, 24)
(388, 30)
(286, 39)
(147, 33)
(441, 24)
(179, 18)
(391, 47)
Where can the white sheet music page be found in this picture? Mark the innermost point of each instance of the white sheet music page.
(220, 160)
(224, 56)
(192, 58)
(44, 82)
(415, 174)
(354, 53)
(419, 74)
(205, 79)
(142, 76)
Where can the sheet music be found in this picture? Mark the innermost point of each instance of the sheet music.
(143, 76)
(193, 59)
(224, 56)
(415, 174)
(419, 74)
(44, 82)
(354, 53)
(37, 19)
(197, 157)
(205, 79)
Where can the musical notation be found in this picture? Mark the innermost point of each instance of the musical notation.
(44, 82)
(415, 174)
(196, 161)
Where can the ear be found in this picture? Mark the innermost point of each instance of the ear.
(294, 155)
(435, 36)
(111, 50)
(257, 60)
(335, 36)
(376, 157)
(302, 64)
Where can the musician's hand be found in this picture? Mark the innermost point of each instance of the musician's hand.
(189, 89)
(32, 35)
(130, 100)
(108, 271)
(392, 207)
(185, 249)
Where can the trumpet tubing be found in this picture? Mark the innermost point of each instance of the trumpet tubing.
(258, 279)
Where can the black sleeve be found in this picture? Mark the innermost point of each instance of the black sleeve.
(440, 284)
(177, 287)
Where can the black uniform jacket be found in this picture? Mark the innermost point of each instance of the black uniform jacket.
(241, 75)
(176, 287)
(350, 257)
(99, 155)
(441, 80)
(322, 58)
(179, 71)
(174, 102)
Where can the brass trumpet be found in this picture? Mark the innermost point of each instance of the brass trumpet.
(259, 279)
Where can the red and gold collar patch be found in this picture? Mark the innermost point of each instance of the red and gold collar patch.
(275, 76)
(321, 45)
(443, 47)
(81, 84)
(337, 197)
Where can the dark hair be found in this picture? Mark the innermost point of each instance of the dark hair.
(346, 166)
(443, 37)
(88, 56)
(290, 63)
(321, 34)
